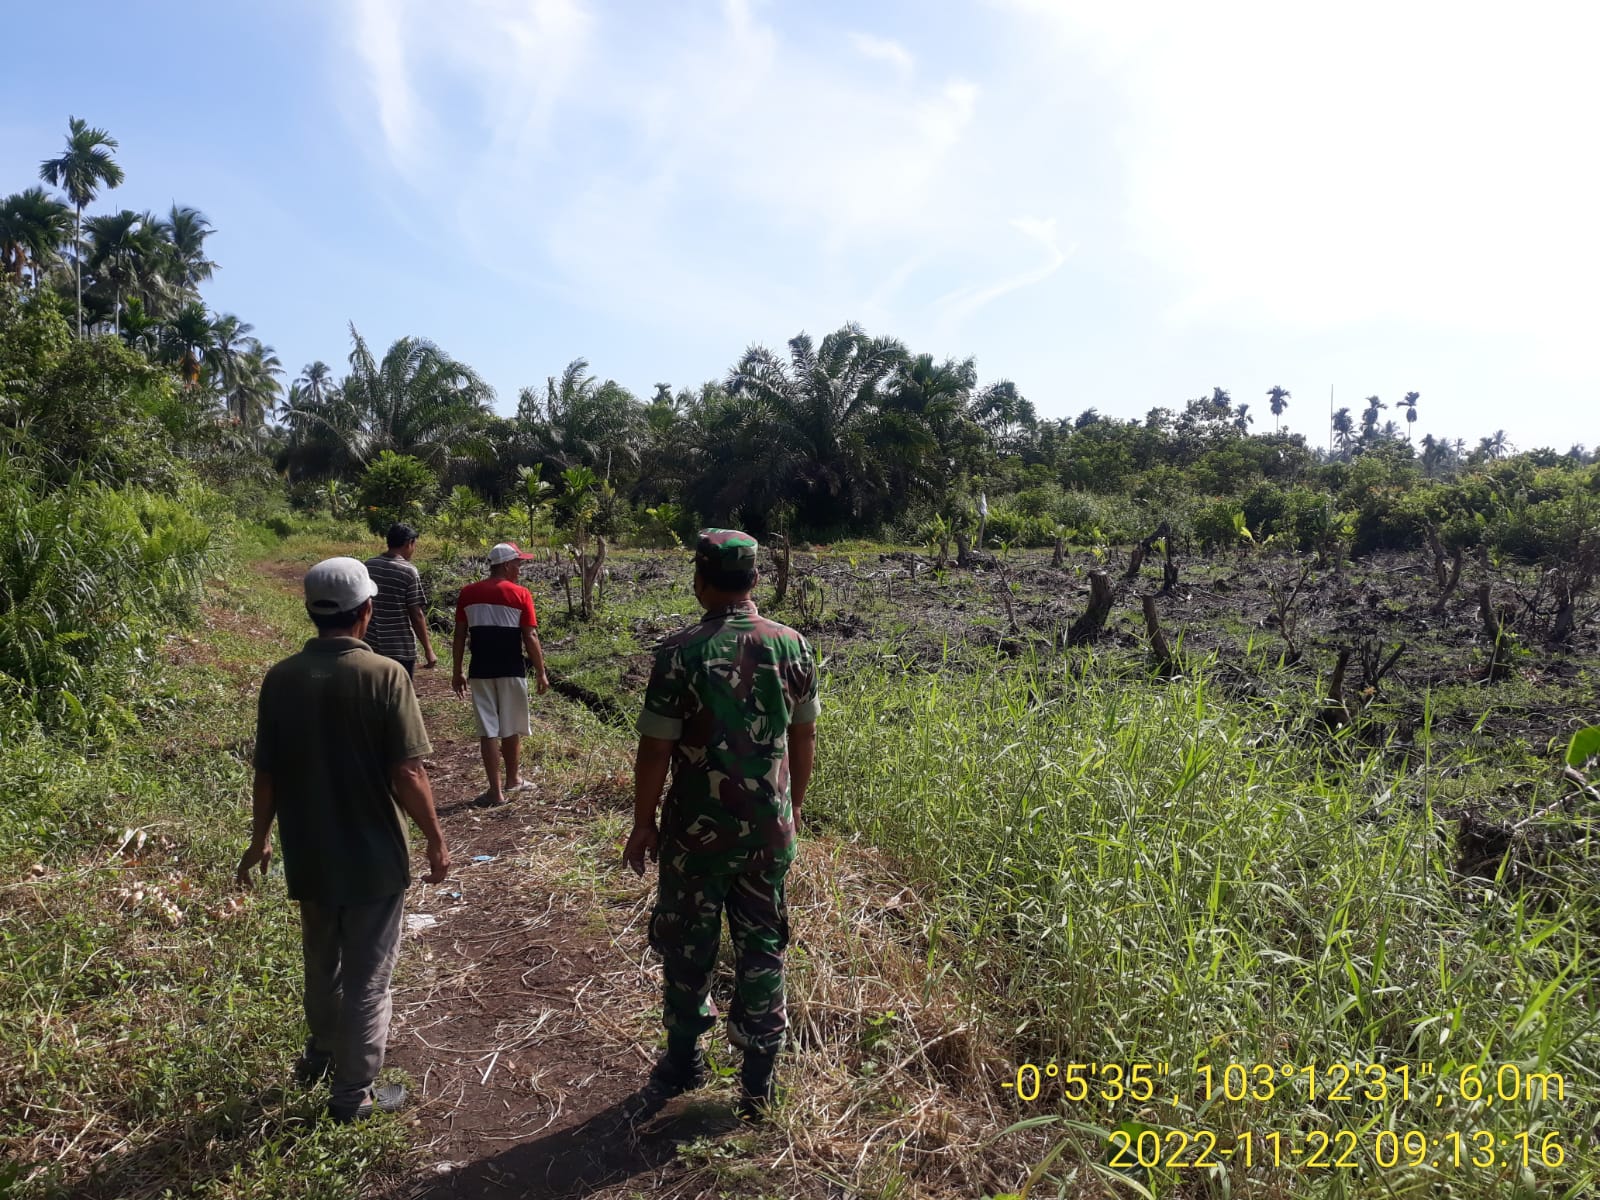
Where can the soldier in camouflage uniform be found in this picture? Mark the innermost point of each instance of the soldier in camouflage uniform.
(731, 707)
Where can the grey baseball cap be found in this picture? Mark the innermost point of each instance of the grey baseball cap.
(337, 585)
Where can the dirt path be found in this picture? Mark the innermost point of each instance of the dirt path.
(517, 1013)
(524, 1006)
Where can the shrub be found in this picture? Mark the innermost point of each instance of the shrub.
(1307, 517)
(1217, 524)
(88, 575)
(396, 487)
(1014, 527)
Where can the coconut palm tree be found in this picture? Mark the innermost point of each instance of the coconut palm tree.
(1431, 448)
(230, 342)
(122, 253)
(317, 380)
(81, 170)
(1277, 400)
(185, 231)
(1369, 418)
(255, 389)
(33, 224)
(1496, 447)
(1242, 420)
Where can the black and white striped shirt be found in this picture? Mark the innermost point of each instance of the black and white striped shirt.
(399, 588)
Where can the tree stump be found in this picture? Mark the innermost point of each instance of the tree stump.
(1335, 713)
(1135, 561)
(1448, 583)
(1497, 630)
(780, 569)
(1161, 654)
(1086, 627)
(1441, 574)
(1566, 613)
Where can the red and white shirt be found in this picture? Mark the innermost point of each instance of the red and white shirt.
(496, 611)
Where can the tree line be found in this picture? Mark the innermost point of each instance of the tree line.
(852, 434)
(134, 275)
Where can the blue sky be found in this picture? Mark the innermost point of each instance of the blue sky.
(1117, 206)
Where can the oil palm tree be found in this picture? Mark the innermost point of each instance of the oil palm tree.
(1277, 401)
(804, 437)
(416, 400)
(1006, 416)
(81, 170)
(33, 224)
(580, 421)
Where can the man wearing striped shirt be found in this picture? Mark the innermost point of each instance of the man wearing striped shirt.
(398, 618)
(498, 614)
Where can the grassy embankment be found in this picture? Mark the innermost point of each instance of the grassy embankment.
(146, 1013)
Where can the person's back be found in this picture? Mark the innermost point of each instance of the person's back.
(398, 610)
(334, 718)
(731, 711)
(340, 748)
(736, 680)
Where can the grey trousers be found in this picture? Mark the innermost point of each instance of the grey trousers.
(350, 952)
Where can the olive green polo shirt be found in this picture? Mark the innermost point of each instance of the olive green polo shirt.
(331, 722)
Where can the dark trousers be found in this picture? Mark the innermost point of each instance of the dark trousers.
(350, 952)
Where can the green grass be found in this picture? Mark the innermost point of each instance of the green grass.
(1128, 872)
(148, 1018)
(1115, 870)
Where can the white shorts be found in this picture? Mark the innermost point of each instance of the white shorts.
(501, 706)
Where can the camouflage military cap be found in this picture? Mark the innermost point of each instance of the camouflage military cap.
(725, 550)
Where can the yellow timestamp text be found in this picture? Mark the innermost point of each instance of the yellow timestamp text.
(1339, 1149)
(1318, 1083)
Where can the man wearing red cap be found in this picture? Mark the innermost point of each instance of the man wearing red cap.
(497, 613)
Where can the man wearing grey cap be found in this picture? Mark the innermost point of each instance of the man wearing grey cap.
(339, 750)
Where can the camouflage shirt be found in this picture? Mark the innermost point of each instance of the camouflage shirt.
(726, 691)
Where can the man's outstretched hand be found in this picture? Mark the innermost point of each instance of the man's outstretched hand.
(644, 840)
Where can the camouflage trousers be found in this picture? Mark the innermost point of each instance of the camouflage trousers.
(686, 930)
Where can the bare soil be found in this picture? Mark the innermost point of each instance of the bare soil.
(517, 1015)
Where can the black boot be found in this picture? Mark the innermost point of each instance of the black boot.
(681, 1069)
(758, 1089)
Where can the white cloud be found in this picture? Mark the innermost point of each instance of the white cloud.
(884, 50)
(614, 156)
(1307, 167)
(962, 304)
